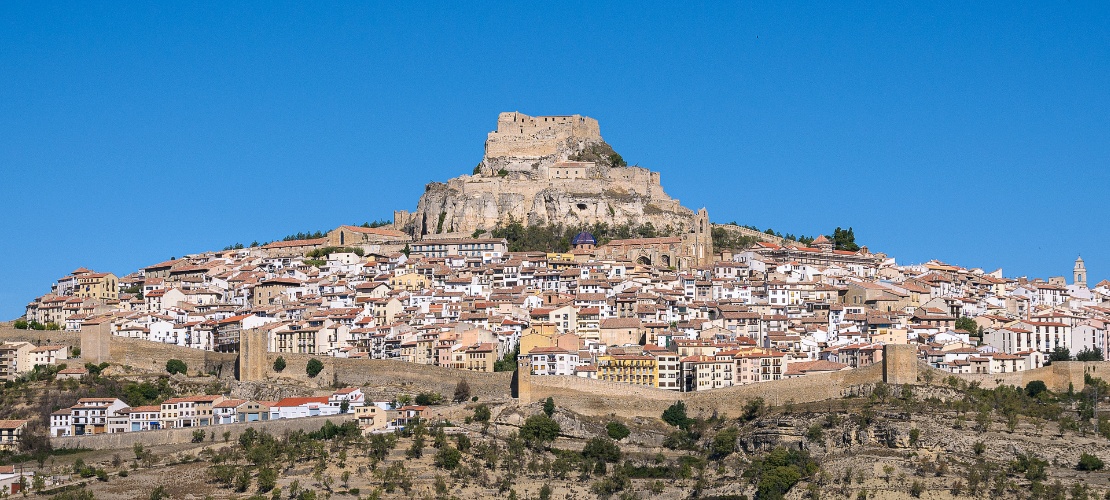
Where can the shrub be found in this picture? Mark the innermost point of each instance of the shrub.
(617, 430)
(429, 398)
(448, 458)
(159, 493)
(539, 430)
(279, 364)
(20, 324)
(753, 408)
(917, 488)
(314, 367)
(1035, 388)
(1089, 462)
(481, 413)
(602, 449)
(198, 436)
(724, 443)
(815, 433)
(175, 366)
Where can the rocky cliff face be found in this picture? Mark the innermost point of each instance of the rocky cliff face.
(540, 170)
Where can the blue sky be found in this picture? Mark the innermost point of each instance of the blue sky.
(975, 133)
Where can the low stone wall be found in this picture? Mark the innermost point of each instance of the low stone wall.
(126, 440)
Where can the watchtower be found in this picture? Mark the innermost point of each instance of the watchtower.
(96, 337)
(252, 355)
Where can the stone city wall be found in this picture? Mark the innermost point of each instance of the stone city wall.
(751, 233)
(1057, 376)
(126, 440)
(381, 377)
(152, 356)
(8, 333)
(597, 397)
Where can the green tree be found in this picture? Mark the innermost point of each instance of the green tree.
(1088, 354)
(1035, 387)
(968, 325)
(724, 443)
(314, 367)
(481, 413)
(617, 430)
(1089, 462)
(605, 450)
(175, 366)
(267, 479)
(448, 457)
(344, 406)
(508, 362)
(279, 364)
(549, 407)
(20, 324)
(538, 430)
(844, 239)
(1060, 354)
(676, 415)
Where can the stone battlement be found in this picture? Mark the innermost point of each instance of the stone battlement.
(521, 136)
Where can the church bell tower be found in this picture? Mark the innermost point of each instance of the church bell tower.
(1079, 273)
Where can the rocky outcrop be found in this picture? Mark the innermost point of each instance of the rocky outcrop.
(541, 170)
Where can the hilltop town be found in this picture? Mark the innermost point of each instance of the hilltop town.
(671, 312)
(682, 307)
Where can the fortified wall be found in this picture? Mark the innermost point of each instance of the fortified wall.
(383, 378)
(140, 354)
(388, 378)
(522, 136)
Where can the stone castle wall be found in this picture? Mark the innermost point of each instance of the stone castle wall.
(751, 233)
(381, 378)
(597, 397)
(1057, 376)
(522, 136)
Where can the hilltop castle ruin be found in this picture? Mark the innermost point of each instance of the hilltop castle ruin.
(541, 170)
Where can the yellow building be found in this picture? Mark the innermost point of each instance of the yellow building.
(410, 282)
(104, 286)
(480, 357)
(635, 369)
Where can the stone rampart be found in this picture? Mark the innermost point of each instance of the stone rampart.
(597, 397)
(141, 354)
(1057, 376)
(39, 337)
(126, 440)
(381, 377)
(751, 233)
